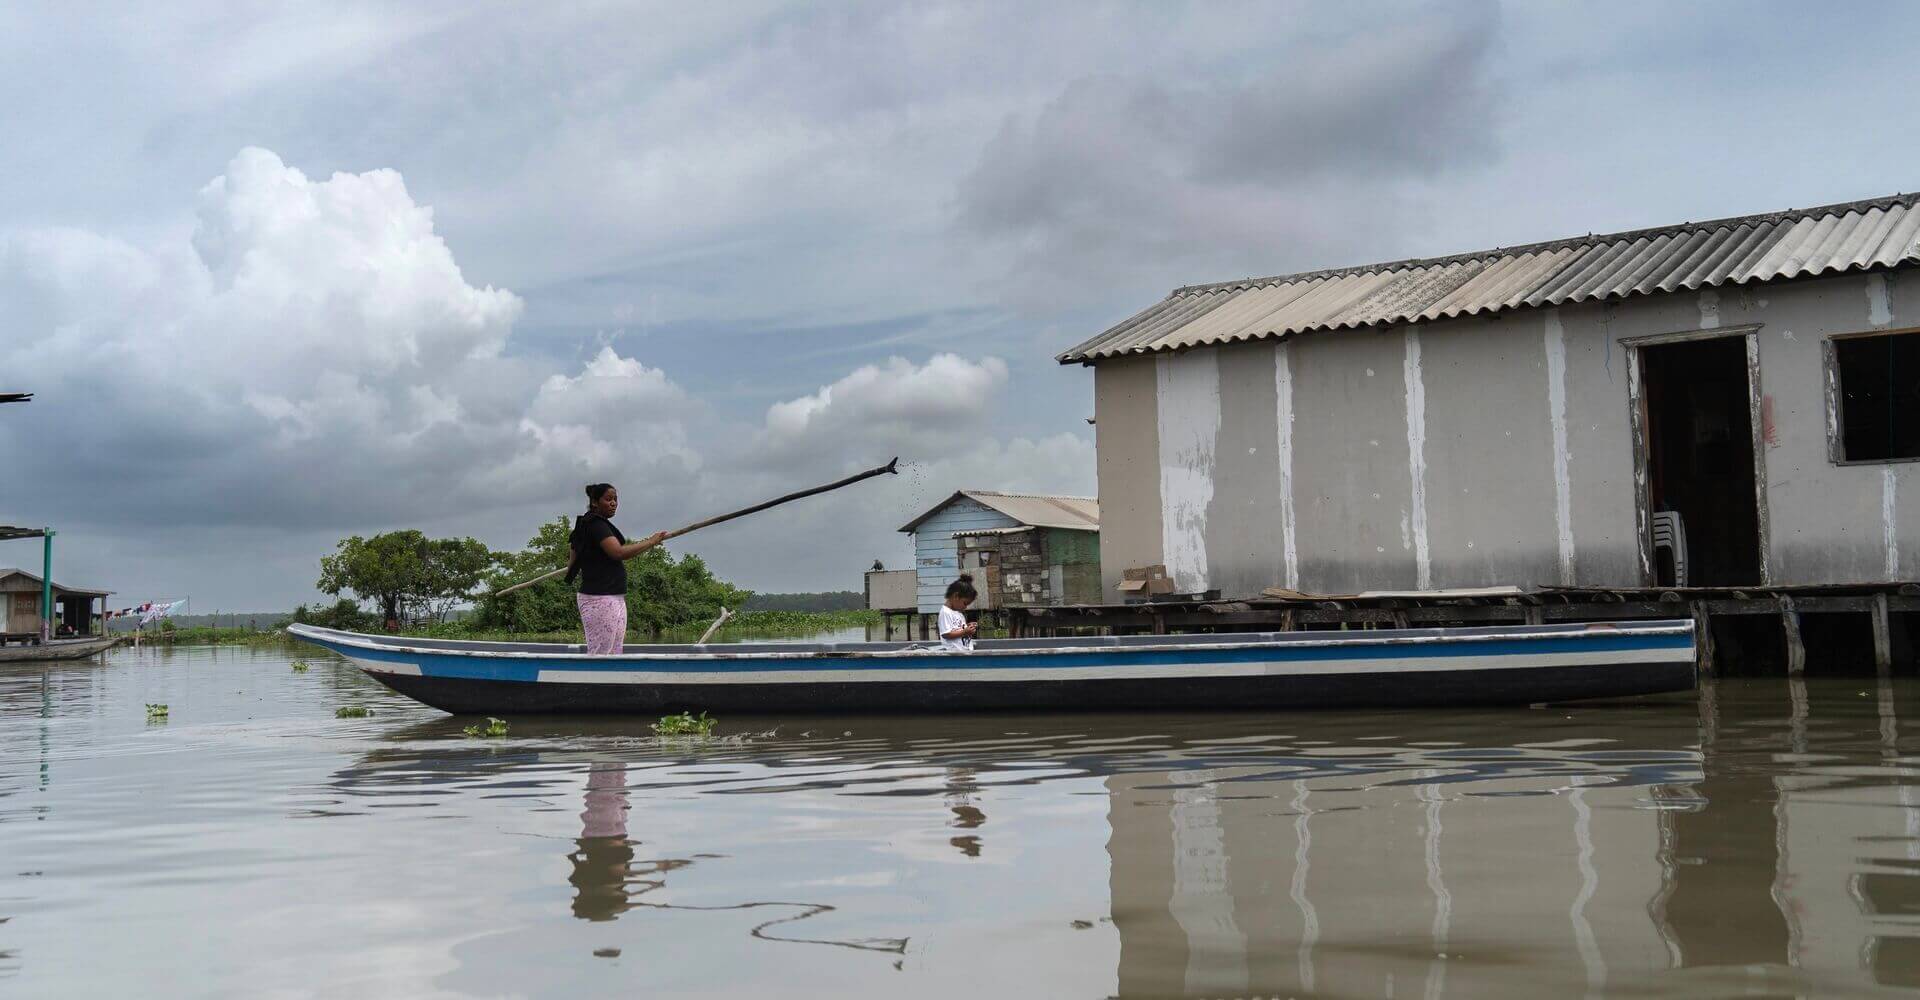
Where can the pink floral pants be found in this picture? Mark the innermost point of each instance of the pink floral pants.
(604, 617)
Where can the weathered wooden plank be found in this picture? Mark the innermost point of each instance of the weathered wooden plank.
(1882, 636)
(1703, 638)
(1796, 650)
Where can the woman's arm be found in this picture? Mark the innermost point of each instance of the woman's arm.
(612, 547)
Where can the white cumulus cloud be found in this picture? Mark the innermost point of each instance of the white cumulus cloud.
(309, 352)
(922, 409)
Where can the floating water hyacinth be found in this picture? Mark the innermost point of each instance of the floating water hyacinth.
(300, 666)
(686, 724)
(491, 729)
(352, 712)
(156, 713)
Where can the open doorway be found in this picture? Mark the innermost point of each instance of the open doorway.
(1699, 461)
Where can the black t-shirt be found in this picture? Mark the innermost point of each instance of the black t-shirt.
(599, 572)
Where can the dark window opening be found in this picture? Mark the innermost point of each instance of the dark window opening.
(1879, 396)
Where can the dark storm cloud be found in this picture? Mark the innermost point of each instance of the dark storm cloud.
(1122, 180)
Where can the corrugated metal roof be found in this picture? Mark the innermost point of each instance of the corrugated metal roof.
(1853, 236)
(1034, 509)
(982, 532)
(7, 571)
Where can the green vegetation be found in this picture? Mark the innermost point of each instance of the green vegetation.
(663, 593)
(491, 729)
(156, 713)
(686, 724)
(354, 712)
(342, 614)
(790, 622)
(668, 599)
(300, 666)
(826, 600)
(405, 570)
(208, 635)
(752, 624)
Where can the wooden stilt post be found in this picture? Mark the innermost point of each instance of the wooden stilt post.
(1882, 636)
(1796, 650)
(1703, 638)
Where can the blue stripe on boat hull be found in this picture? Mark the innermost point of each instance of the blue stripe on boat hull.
(1526, 654)
(463, 695)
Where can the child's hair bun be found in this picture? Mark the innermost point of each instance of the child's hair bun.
(966, 578)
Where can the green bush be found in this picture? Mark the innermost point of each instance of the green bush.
(662, 592)
(342, 614)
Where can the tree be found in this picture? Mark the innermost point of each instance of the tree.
(406, 568)
(547, 606)
(662, 592)
(344, 614)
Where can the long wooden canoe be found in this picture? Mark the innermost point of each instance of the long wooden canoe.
(1349, 669)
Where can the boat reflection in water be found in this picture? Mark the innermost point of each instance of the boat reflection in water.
(1762, 838)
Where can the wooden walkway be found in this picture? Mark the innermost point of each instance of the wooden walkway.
(1878, 609)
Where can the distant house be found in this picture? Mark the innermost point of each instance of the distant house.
(1024, 550)
(20, 603)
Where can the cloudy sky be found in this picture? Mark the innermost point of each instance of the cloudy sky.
(280, 276)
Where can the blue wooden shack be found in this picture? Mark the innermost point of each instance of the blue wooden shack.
(937, 550)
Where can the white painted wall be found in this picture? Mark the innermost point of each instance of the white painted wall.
(1189, 419)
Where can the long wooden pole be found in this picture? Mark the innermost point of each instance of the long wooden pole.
(891, 468)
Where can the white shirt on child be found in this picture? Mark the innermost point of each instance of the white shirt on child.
(950, 620)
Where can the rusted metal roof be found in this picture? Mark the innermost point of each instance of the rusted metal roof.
(1032, 509)
(1832, 239)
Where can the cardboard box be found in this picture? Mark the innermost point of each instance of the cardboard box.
(1143, 581)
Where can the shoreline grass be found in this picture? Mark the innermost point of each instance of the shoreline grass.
(208, 635)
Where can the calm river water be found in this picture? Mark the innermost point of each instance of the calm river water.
(1759, 838)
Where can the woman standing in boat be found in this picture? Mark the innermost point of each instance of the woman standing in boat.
(599, 558)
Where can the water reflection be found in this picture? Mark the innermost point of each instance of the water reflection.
(1783, 861)
(966, 814)
(1763, 837)
(608, 881)
(603, 856)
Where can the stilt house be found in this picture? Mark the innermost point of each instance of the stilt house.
(1734, 403)
(1024, 550)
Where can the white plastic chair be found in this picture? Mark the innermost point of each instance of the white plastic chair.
(1670, 534)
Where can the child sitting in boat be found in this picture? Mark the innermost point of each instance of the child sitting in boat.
(956, 633)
